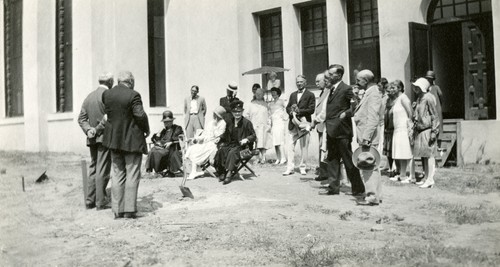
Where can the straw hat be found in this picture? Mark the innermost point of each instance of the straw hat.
(232, 86)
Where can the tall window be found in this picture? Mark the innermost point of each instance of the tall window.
(13, 57)
(64, 57)
(314, 41)
(271, 41)
(458, 8)
(156, 52)
(364, 47)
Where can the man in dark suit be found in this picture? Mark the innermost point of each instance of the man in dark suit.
(301, 105)
(337, 114)
(239, 135)
(232, 89)
(166, 153)
(125, 135)
(91, 114)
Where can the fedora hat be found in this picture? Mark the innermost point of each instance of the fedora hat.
(366, 159)
(168, 116)
(232, 86)
(430, 74)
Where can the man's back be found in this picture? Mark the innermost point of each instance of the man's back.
(126, 119)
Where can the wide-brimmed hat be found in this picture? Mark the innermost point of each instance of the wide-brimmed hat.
(168, 116)
(430, 74)
(220, 111)
(423, 84)
(366, 159)
(237, 105)
(232, 86)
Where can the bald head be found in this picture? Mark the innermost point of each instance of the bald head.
(364, 78)
(320, 81)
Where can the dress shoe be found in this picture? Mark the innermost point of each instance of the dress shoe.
(119, 215)
(329, 192)
(303, 171)
(227, 180)
(395, 178)
(90, 206)
(130, 215)
(406, 180)
(222, 177)
(427, 184)
(168, 174)
(356, 194)
(319, 179)
(367, 203)
(288, 172)
(421, 182)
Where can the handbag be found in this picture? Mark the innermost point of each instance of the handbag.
(246, 153)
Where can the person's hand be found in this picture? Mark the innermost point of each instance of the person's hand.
(167, 144)
(244, 141)
(342, 115)
(433, 139)
(91, 133)
(365, 144)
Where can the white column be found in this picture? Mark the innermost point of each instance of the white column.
(338, 42)
(292, 47)
(495, 10)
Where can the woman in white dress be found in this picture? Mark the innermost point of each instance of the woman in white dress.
(258, 114)
(279, 120)
(401, 112)
(204, 146)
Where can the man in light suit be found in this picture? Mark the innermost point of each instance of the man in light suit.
(321, 83)
(125, 135)
(367, 117)
(195, 110)
(301, 105)
(337, 114)
(91, 114)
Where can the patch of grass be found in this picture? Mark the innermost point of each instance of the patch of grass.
(321, 209)
(344, 216)
(461, 214)
(475, 180)
(311, 256)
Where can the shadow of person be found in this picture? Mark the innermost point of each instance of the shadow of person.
(146, 204)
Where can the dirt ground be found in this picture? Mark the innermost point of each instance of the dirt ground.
(265, 220)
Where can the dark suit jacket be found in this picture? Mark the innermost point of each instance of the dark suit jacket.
(164, 137)
(91, 114)
(339, 101)
(127, 121)
(226, 103)
(307, 105)
(235, 133)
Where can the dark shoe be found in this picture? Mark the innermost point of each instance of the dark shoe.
(367, 203)
(319, 179)
(222, 177)
(226, 181)
(90, 206)
(118, 215)
(168, 174)
(205, 165)
(130, 215)
(102, 207)
(329, 192)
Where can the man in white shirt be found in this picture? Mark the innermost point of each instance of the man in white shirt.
(195, 109)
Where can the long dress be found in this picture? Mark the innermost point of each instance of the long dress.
(258, 114)
(426, 122)
(206, 147)
(401, 148)
(279, 120)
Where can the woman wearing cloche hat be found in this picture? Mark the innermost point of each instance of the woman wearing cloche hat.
(426, 123)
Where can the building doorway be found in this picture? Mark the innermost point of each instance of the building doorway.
(459, 40)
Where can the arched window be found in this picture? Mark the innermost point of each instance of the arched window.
(441, 9)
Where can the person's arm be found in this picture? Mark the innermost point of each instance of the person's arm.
(350, 97)
(83, 120)
(250, 134)
(278, 83)
(203, 107)
(140, 116)
(289, 106)
(405, 101)
(431, 105)
(186, 108)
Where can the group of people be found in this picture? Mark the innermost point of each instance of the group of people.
(113, 119)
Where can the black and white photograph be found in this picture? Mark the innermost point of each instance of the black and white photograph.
(249, 133)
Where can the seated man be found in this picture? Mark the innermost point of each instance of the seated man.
(166, 153)
(239, 135)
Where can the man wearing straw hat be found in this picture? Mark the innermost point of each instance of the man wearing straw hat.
(231, 90)
(166, 152)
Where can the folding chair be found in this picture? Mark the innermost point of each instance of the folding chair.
(244, 164)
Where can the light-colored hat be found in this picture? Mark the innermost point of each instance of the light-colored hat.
(366, 159)
(220, 111)
(232, 86)
(430, 74)
(423, 84)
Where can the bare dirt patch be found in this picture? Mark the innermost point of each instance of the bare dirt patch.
(265, 220)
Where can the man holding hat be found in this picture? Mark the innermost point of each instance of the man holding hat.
(166, 153)
(367, 117)
(231, 90)
(239, 135)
